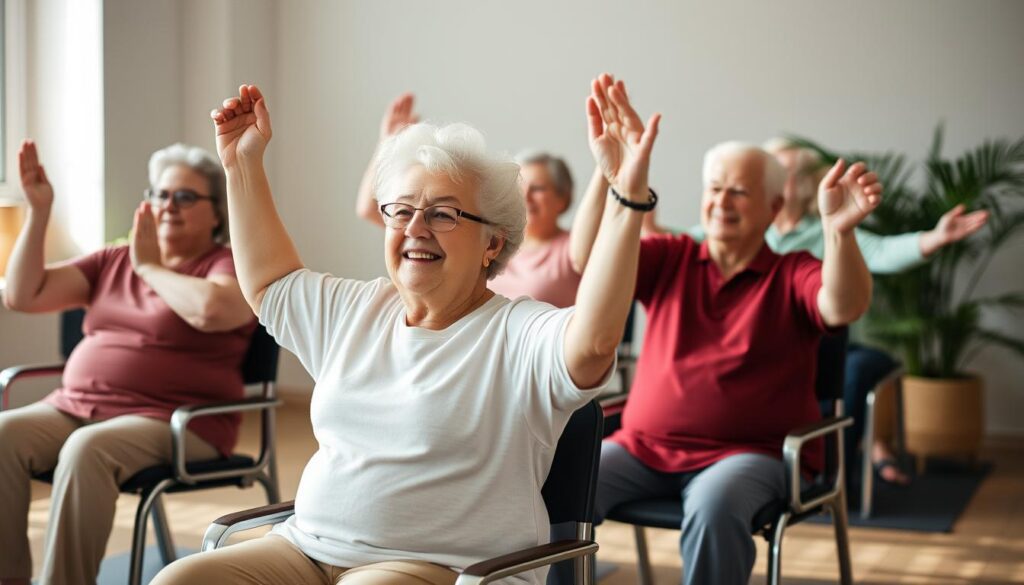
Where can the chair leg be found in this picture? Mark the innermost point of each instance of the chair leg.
(269, 483)
(147, 499)
(163, 532)
(867, 476)
(839, 523)
(775, 549)
(643, 561)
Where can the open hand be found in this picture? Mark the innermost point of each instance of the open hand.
(243, 126)
(619, 141)
(399, 115)
(953, 226)
(845, 199)
(144, 249)
(38, 191)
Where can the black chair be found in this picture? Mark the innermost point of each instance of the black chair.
(893, 379)
(568, 492)
(258, 367)
(826, 493)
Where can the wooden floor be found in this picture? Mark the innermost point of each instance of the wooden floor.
(986, 546)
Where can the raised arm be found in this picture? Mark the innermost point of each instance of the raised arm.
(33, 287)
(587, 220)
(262, 249)
(845, 199)
(398, 115)
(621, 145)
(953, 226)
(209, 304)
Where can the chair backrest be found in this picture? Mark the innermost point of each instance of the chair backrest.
(831, 367)
(258, 366)
(70, 330)
(571, 486)
(260, 363)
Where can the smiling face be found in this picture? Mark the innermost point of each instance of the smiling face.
(442, 267)
(185, 227)
(543, 202)
(735, 207)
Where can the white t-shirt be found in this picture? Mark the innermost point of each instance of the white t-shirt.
(433, 445)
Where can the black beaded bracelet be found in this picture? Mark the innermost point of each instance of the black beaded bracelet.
(634, 205)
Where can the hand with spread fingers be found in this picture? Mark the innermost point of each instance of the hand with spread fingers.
(144, 247)
(845, 199)
(953, 226)
(619, 141)
(38, 191)
(243, 126)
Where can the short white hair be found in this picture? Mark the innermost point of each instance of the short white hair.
(774, 172)
(204, 163)
(459, 150)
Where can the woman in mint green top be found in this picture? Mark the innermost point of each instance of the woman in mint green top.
(798, 228)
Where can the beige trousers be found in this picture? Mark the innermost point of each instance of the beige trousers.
(273, 560)
(90, 460)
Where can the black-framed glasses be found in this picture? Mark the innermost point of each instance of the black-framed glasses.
(182, 197)
(439, 218)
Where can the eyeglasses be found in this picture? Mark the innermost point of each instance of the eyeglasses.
(182, 197)
(439, 218)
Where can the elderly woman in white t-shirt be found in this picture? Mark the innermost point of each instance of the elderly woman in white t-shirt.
(438, 404)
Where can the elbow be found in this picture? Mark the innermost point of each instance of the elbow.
(367, 211)
(211, 316)
(13, 302)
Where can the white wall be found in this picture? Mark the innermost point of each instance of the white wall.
(874, 75)
(877, 76)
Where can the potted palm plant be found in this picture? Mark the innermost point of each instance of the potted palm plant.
(931, 315)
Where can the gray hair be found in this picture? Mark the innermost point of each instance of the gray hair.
(459, 151)
(203, 163)
(774, 173)
(557, 170)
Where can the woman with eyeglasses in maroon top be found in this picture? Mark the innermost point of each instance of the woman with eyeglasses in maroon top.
(166, 325)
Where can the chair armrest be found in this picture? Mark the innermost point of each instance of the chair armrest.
(183, 415)
(791, 448)
(9, 375)
(221, 528)
(524, 560)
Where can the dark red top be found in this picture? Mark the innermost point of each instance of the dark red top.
(726, 367)
(139, 357)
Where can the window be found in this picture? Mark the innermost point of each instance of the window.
(12, 92)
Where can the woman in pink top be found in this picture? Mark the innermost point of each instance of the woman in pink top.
(541, 269)
(166, 326)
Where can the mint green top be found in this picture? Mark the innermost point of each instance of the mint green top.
(882, 254)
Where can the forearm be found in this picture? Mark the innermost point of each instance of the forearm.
(604, 295)
(845, 281)
(588, 219)
(262, 250)
(366, 201)
(201, 303)
(26, 269)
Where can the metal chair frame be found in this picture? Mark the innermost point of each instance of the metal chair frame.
(181, 476)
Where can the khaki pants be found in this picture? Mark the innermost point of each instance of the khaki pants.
(273, 560)
(90, 460)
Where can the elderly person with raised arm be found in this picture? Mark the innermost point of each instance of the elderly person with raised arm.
(542, 269)
(728, 360)
(798, 227)
(438, 404)
(166, 303)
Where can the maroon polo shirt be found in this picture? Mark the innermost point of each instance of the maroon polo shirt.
(727, 367)
(137, 356)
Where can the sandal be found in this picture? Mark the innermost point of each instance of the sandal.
(888, 471)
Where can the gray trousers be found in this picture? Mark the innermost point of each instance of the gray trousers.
(719, 503)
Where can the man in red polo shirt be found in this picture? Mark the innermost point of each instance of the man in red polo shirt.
(728, 360)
